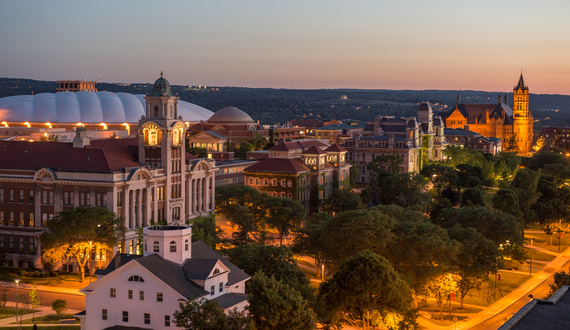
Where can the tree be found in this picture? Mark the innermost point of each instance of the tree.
(341, 200)
(35, 300)
(511, 143)
(204, 314)
(244, 207)
(309, 239)
(277, 261)
(560, 279)
(354, 173)
(440, 176)
(49, 138)
(197, 151)
(276, 305)
(419, 250)
(505, 165)
(469, 176)
(59, 306)
(441, 288)
(380, 168)
(353, 231)
(491, 224)
(204, 229)
(472, 197)
(475, 259)
(507, 201)
(553, 202)
(404, 189)
(243, 148)
(539, 144)
(284, 215)
(365, 282)
(525, 186)
(74, 233)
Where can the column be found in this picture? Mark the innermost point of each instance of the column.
(213, 193)
(204, 194)
(199, 197)
(146, 220)
(138, 219)
(194, 196)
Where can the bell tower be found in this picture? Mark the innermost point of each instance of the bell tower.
(161, 146)
(522, 118)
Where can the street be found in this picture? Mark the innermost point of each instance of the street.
(73, 301)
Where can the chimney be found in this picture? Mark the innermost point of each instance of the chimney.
(81, 139)
(391, 141)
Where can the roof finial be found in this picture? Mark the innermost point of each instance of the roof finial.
(161, 74)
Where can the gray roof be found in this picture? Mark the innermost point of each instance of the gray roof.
(172, 274)
(202, 251)
(551, 314)
(217, 135)
(198, 269)
(123, 259)
(458, 132)
(230, 299)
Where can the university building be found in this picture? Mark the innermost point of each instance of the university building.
(415, 140)
(142, 179)
(306, 171)
(499, 119)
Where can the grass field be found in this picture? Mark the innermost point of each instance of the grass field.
(49, 319)
(11, 312)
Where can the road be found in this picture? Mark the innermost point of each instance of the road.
(73, 301)
(496, 321)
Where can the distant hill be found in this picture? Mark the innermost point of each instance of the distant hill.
(270, 105)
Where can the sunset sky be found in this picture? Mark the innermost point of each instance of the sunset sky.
(413, 44)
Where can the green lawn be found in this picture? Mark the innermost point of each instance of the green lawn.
(542, 240)
(49, 327)
(50, 319)
(510, 281)
(488, 197)
(11, 312)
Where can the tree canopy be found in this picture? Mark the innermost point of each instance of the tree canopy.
(74, 233)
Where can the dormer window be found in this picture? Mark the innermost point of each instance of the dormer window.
(173, 247)
(136, 278)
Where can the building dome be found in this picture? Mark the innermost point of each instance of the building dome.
(230, 115)
(161, 86)
(87, 107)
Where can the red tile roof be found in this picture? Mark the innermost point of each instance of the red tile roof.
(314, 151)
(279, 165)
(102, 156)
(294, 145)
(335, 148)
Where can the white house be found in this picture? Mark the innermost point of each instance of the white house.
(142, 292)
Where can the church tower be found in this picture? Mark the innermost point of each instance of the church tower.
(161, 145)
(522, 118)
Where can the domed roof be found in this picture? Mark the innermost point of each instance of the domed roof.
(230, 115)
(86, 107)
(161, 85)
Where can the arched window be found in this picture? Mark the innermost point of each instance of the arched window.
(136, 278)
(173, 246)
(186, 245)
(216, 271)
(156, 247)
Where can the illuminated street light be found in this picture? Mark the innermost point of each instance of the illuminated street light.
(17, 299)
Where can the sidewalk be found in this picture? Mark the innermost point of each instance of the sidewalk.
(42, 310)
(507, 300)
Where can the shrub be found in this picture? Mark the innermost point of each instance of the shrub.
(59, 306)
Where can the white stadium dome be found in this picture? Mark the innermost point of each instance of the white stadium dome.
(87, 108)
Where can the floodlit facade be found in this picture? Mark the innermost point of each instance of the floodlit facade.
(143, 179)
(142, 292)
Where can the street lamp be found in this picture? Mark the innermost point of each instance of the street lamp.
(17, 299)
(323, 272)
(530, 266)
(89, 262)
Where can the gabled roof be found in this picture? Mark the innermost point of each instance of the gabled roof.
(199, 269)
(101, 156)
(172, 274)
(202, 251)
(230, 299)
(314, 151)
(477, 112)
(335, 148)
(279, 165)
(296, 145)
(458, 132)
(123, 259)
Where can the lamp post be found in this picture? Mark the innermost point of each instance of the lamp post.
(322, 272)
(89, 262)
(530, 266)
(17, 299)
